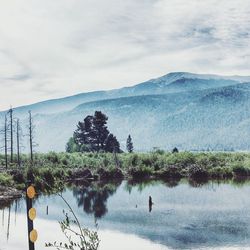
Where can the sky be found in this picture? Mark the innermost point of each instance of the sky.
(51, 49)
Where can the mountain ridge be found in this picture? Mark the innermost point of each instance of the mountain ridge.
(188, 113)
(69, 101)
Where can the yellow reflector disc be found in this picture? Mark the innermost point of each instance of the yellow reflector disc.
(32, 213)
(31, 192)
(33, 235)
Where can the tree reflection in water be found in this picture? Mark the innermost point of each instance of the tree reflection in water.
(94, 197)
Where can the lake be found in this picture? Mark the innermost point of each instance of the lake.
(184, 216)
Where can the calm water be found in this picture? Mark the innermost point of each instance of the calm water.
(211, 216)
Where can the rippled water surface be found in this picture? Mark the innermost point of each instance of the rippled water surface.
(184, 216)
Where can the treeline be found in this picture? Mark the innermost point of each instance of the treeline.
(56, 169)
(12, 137)
(92, 135)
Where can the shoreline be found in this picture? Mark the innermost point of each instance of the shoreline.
(51, 171)
(9, 194)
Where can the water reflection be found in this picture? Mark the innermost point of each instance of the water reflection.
(93, 198)
(6, 203)
(171, 182)
(190, 215)
(6, 210)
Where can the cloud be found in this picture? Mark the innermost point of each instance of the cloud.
(56, 48)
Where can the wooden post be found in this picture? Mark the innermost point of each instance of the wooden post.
(31, 214)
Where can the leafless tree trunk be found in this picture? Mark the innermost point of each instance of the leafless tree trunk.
(6, 142)
(18, 142)
(11, 134)
(31, 136)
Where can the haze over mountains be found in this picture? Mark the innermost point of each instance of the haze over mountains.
(189, 111)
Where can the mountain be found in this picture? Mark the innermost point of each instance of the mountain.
(190, 111)
(172, 82)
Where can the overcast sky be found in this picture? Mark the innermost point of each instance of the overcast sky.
(55, 48)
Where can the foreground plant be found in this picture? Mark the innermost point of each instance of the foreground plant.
(79, 238)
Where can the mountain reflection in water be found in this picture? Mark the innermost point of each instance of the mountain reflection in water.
(185, 215)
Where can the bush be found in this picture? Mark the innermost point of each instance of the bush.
(31, 173)
(134, 160)
(48, 177)
(171, 172)
(240, 170)
(196, 172)
(5, 179)
(221, 172)
(111, 173)
(53, 157)
(59, 173)
(39, 184)
(140, 172)
(18, 177)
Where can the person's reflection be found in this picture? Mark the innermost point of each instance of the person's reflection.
(150, 204)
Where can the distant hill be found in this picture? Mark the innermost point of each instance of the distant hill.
(190, 111)
(172, 82)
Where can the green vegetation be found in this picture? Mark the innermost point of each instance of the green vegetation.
(129, 144)
(54, 169)
(6, 179)
(78, 237)
(92, 135)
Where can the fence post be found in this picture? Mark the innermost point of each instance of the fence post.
(31, 215)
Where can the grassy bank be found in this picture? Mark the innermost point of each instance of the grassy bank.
(53, 169)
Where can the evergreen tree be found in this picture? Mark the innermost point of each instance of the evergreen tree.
(84, 133)
(93, 135)
(101, 130)
(112, 144)
(130, 146)
(175, 150)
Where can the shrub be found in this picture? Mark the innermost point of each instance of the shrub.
(18, 177)
(111, 173)
(53, 157)
(134, 160)
(140, 172)
(240, 170)
(220, 172)
(171, 172)
(59, 173)
(5, 179)
(39, 184)
(196, 172)
(48, 176)
(31, 173)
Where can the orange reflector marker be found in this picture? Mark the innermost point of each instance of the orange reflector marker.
(33, 235)
(31, 192)
(32, 213)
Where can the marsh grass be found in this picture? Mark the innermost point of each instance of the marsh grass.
(56, 168)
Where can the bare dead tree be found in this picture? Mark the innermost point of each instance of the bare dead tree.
(31, 136)
(5, 133)
(11, 134)
(18, 142)
(6, 142)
